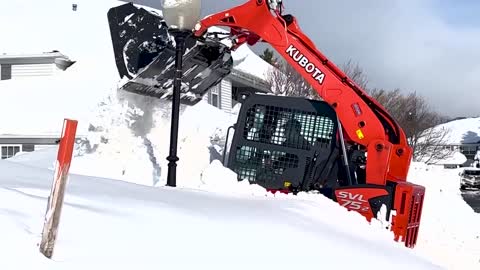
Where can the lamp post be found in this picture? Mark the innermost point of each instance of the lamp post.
(181, 17)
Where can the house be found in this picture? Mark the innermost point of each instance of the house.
(463, 136)
(469, 150)
(249, 75)
(226, 94)
(26, 139)
(14, 67)
(28, 65)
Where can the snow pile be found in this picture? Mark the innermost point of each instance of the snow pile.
(442, 239)
(130, 140)
(450, 229)
(119, 225)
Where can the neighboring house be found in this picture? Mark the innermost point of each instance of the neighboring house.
(223, 96)
(469, 150)
(463, 136)
(12, 144)
(249, 74)
(29, 65)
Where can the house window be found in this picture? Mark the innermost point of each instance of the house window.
(5, 72)
(9, 151)
(469, 151)
(215, 100)
(214, 96)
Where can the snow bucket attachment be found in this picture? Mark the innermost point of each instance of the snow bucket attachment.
(408, 204)
(145, 54)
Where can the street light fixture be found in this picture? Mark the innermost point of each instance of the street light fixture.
(181, 17)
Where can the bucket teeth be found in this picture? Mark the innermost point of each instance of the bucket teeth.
(145, 55)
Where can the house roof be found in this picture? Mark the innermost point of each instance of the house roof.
(247, 63)
(38, 58)
(464, 131)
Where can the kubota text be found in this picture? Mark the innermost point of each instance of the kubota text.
(303, 61)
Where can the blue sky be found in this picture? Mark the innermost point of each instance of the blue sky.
(462, 13)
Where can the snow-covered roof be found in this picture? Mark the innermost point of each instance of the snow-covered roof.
(464, 131)
(246, 60)
(53, 54)
(249, 62)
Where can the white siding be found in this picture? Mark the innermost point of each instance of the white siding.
(32, 70)
(226, 95)
(40, 146)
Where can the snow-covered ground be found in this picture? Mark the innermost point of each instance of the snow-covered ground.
(449, 234)
(450, 230)
(210, 220)
(120, 225)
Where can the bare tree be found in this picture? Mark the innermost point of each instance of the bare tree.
(411, 111)
(429, 146)
(356, 73)
(418, 120)
(284, 80)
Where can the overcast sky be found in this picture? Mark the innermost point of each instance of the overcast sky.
(428, 46)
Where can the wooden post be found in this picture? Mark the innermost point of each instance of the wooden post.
(55, 200)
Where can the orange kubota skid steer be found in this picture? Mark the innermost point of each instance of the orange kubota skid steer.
(346, 146)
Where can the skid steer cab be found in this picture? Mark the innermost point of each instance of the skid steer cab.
(290, 145)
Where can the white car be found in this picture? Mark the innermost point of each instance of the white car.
(470, 178)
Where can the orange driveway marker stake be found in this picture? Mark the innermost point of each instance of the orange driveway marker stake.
(55, 200)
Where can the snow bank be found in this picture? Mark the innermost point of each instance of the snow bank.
(125, 158)
(450, 229)
(118, 225)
